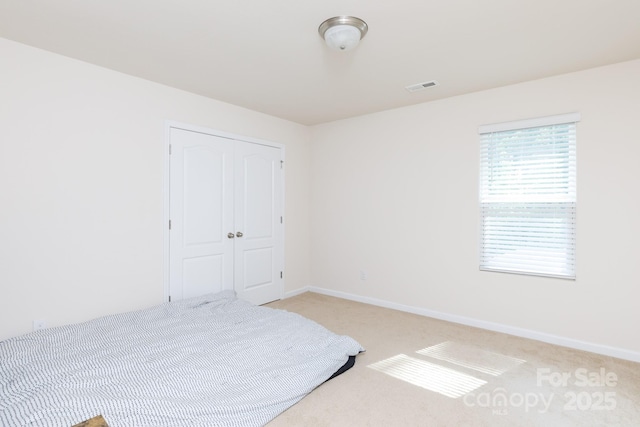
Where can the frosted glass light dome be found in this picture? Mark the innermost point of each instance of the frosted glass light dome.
(342, 37)
(343, 32)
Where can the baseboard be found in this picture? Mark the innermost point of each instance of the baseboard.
(491, 326)
(297, 292)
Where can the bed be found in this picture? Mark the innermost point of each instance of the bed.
(213, 360)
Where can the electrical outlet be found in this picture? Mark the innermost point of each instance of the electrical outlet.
(39, 324)
(363, 275)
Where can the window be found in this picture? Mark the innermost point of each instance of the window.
(528, 196)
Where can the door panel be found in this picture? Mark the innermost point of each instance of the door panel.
(258, 267)
(203, 193)
(258, 210)
(258, 176)
(201, 275)
(201, 212)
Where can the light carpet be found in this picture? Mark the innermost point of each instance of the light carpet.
(419, 371)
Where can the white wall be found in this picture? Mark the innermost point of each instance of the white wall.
(395, 194)
(81, 186)
(392, 193)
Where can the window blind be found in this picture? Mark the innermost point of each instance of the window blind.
(528, 196)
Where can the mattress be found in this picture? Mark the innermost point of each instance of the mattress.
(213, 360)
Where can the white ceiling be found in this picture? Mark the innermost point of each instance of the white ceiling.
(268, 56)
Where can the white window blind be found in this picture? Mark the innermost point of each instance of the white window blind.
(528, 196)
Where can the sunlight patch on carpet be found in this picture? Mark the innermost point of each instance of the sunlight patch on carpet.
(430, 376)
(472, 357)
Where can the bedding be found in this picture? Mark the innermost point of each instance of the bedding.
(213, 360)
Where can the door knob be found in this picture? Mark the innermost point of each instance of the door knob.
(239, 234)
(231, 235)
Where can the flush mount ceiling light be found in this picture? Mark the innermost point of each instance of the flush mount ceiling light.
(343, 32)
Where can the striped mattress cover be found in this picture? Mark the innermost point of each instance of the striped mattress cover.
(213, 360)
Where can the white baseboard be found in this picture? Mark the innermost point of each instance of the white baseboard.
(297, 292)
(619, 353)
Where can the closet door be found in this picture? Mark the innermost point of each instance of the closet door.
(258, 255)
(201, 214)
(225, 210)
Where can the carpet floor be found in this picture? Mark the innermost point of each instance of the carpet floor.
(419, 371)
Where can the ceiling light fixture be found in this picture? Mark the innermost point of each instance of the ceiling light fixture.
(343, 32)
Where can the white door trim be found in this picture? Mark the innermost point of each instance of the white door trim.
(169, 124)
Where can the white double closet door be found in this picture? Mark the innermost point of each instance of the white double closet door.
(226, 225)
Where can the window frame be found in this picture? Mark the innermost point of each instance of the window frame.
(551, 208)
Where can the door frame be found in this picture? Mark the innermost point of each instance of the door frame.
(169, 124)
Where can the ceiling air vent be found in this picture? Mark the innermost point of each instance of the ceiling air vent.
(421, 86)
